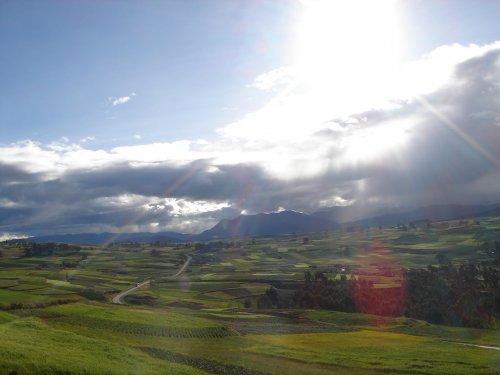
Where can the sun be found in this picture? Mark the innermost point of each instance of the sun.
(347, 57)
(347, 34)
(347, 51)
(345, 54)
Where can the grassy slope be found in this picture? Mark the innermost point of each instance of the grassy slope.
(371, 346)
(29, 346)
(6, 317)
(379, 350)
(93, 337)
(405, 325)
(156, 317)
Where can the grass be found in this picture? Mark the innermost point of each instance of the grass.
(379, 350)
(97, 312)
(8, 297)
(29, 346)
(6, 317)
(198, 321)
(406, 326)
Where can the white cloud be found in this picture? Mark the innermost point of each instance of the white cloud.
(123, 200)
(314, 97)
(10, 236)
(286, 136)
(7, 203)
(121, 100)
(185, 207)
(30, 157)
(275, 78)
(87, 139)
(179, 151)
(53, 160)
(307, 147)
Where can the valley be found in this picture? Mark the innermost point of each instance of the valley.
(200, 306)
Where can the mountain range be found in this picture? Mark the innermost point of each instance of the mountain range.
(284, 222)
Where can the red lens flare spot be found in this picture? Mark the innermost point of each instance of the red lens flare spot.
(379, 287)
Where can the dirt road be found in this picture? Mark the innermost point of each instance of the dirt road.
(182, 269)
(477, 346)
(118, 298)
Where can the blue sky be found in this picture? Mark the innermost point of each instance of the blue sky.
(188, 61)
(222, 107)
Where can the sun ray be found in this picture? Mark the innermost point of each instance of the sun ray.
(456, 129)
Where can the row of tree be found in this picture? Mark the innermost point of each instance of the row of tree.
(216, 245)
(467, 295)
(34, 249)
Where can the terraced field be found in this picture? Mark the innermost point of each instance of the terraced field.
(57, 317)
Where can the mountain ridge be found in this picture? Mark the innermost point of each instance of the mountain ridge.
(280, 223)
(284, 222)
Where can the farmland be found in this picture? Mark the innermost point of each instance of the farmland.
(57, 314)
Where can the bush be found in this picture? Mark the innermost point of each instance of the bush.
(93, 295)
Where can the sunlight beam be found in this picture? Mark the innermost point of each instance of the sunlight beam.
(455, 128)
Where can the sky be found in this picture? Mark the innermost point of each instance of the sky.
(171, 115)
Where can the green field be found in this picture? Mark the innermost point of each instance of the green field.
(57, 315)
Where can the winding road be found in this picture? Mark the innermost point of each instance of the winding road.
(477, 346)
(182, 269)
(118, 298)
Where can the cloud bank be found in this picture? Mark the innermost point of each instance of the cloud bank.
(433, 141)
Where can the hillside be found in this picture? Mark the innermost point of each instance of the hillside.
(285, 222)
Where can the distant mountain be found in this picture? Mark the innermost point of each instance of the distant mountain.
(106, 238)
(491, 212)
(143, 237)
(284, 222)
(346, 214)
(434, 213)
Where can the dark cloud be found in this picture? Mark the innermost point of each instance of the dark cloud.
(90, 197)
(15, 174)
(453, 145)
(451, 156)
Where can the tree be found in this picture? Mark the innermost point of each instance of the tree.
(272, 293)
(442, 259)
(93, 295)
